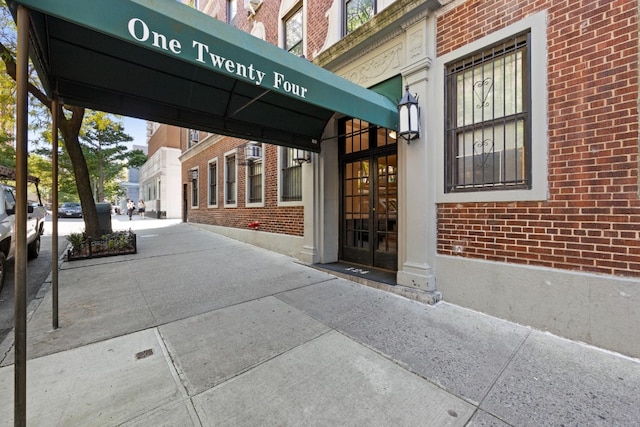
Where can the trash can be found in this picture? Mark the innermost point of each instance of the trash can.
(104, 217)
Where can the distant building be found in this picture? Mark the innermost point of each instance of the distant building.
(132, 184)
(160, 175)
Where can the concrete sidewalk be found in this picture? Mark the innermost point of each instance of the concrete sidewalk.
(197, 330)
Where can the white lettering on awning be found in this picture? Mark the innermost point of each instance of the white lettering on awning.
(141, 32)
(232, 67)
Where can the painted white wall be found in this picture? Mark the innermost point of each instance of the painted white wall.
(164, 167)
(596, 309)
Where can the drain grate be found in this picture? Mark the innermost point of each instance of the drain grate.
(145, 353)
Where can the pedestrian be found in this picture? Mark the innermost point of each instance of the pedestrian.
(141, 208)
(130, 208)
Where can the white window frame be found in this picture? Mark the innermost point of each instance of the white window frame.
(537, 25)
(226, 156)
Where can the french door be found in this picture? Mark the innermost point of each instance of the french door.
(368, 208)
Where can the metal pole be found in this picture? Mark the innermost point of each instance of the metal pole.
(54, 211)
(22, 121)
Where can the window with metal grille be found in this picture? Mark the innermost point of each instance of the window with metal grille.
(488, 144)
(213, 184)
(358, 12)
(254, 179)
(291, 180)
(293, 31)
(230, 179)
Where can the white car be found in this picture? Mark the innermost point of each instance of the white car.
(35, 228)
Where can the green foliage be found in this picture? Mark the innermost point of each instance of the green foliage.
(136, 158)
(7, 153)
(116, 243)
(77, 240)
(118, 240)
(358, 12)
(102, 138)
(103, 146)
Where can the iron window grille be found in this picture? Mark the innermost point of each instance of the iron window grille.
(488, 144)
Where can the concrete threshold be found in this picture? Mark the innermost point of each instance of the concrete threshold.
(384, 280)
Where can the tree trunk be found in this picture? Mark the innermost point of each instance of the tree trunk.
(70, 129)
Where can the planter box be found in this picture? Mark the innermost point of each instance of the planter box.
(121, 243)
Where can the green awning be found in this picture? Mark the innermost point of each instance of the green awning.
(166, 62)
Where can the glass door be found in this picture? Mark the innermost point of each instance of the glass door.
(370, 212)
(385, 212)
(357, 212)
(369, 195)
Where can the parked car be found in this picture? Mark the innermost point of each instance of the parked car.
(35, 227)
(70, 210)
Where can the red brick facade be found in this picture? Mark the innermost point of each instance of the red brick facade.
(271, 218)
(165, 136)
(591, 220)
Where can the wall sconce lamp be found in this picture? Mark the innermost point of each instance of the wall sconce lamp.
(194, 174)
(301, 156)
(409, 117)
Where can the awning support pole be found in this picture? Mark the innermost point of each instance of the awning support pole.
(22, 121)
(54, 211)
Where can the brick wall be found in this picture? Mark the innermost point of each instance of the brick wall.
(272, 218)
(591, 220)
(317, 26)
(164, 136)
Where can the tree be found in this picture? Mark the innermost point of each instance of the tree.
(136, 158)
(69, 123)
(103, 149)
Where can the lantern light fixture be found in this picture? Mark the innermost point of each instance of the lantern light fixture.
(301, 156)
(194, 174)
(409, 117)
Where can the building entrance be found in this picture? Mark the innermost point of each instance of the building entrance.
(369, 194)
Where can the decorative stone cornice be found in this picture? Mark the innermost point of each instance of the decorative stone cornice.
(382, 28)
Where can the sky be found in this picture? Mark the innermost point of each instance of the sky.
(137, 129)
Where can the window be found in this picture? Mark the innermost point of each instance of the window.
(9, 200)
(230, 180)
(358, 12)
(293, 31)
(194, 137)
(291, 177)
(487, 119)
(232, 10)
(213, 183)
(193, 174)
(254, 182)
